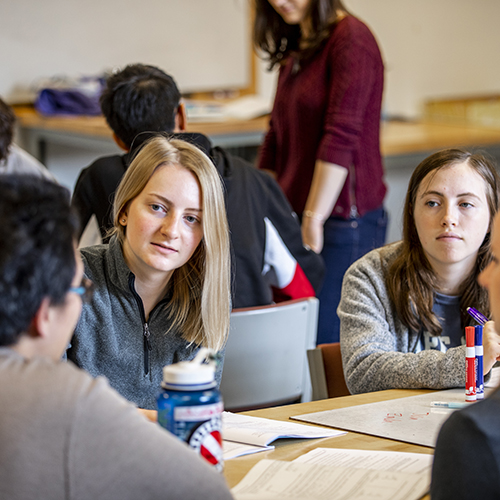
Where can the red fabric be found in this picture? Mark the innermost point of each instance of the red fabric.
(299, 288)
(330, 110)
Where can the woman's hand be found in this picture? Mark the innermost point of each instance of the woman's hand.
(491, 346)
(151, 415)
(312, 233)
(327, 183)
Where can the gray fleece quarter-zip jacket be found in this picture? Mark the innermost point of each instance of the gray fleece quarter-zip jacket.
(113, 338)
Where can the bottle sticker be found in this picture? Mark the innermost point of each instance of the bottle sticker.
(207, 441)
(198, 413)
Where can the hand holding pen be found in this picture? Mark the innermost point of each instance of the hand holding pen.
(491, 340)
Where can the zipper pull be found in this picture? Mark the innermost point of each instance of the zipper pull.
(147, 348)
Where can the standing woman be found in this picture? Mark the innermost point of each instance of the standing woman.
(323, 140)
(162, 282)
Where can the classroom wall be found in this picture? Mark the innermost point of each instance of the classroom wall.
(432, 49)
(205, 44)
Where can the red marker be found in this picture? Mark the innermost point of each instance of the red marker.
(470, 364)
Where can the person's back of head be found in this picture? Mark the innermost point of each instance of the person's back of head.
(37, 256)
(7, 121)
(140, 98)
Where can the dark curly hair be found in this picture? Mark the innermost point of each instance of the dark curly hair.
(7, 121)
(37, 256)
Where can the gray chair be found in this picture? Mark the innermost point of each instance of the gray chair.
(266, 361)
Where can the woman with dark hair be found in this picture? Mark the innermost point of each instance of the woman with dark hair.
(323, 138)
(468, 444)
(403, 306)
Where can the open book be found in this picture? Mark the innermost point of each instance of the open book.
(350, 474)
(244, 434)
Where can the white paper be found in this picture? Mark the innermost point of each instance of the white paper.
(416, 463)
(276, 480)
(230, 449)
(262, 431)
(410, 419)
(248, 107)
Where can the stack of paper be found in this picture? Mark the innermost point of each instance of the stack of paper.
(243, 108)
(248, 107)
(204, 111)
(244, 435)
(327, 473)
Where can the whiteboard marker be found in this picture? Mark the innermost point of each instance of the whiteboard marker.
(470, 364)
(479, 362)
(446, 404)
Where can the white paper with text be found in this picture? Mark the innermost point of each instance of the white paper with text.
(415, 463)
(276, 480)
(262, 431)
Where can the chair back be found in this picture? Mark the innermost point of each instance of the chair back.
(327, 372)
(266, 362)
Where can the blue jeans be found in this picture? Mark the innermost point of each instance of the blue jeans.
(345, 242)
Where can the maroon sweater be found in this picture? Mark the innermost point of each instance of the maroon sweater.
(330, 110)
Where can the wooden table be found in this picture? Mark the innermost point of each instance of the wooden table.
(289, 449)
(403, 138)
(403, 144)
(397, 137)
(89, 130)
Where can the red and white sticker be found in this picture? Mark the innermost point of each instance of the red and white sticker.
(207, 441)
(198, 413)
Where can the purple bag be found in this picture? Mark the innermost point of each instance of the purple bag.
(71, 100)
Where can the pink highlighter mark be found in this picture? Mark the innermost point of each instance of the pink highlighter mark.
(417, 416)
(393, 417)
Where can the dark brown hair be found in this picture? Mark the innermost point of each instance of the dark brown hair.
(278, 40)
(411, 280)
(7, 121)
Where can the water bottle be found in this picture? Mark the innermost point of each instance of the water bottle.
(190, 406)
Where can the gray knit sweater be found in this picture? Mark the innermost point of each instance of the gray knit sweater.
(378, 351)
(109, 339)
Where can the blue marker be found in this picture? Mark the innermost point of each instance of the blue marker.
(478, 344)
(480, 318)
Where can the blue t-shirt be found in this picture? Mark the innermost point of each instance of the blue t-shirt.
(447, 309)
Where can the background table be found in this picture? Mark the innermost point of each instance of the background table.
(67, 144)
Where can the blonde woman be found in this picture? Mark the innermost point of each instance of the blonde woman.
(162, 283)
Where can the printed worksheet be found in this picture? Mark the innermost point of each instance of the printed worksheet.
(276, 480)
(416, 463)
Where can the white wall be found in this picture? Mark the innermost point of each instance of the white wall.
(203, 43)
(432, 49)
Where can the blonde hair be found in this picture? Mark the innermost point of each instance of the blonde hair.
(200, 303)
